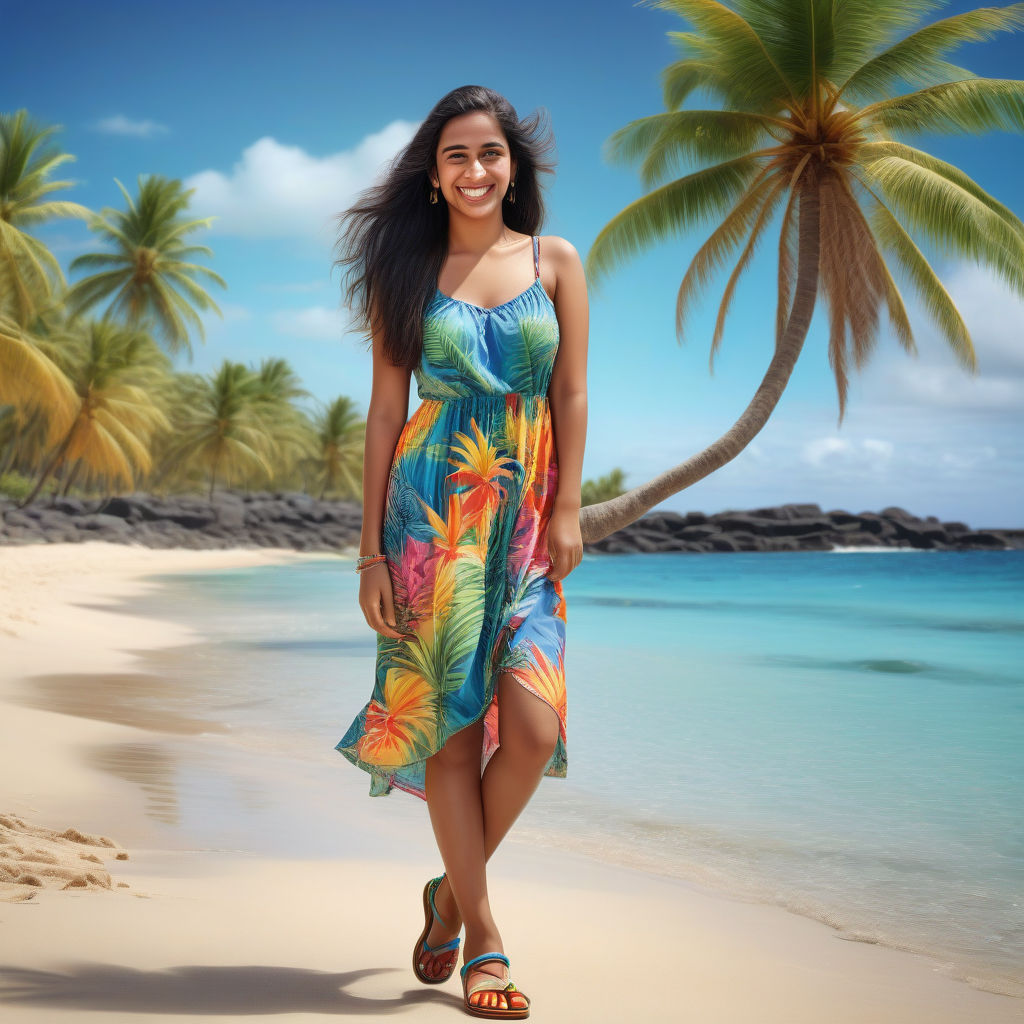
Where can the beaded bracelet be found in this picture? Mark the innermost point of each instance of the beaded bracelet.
(365, 561)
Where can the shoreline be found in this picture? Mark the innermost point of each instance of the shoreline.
(196, 906)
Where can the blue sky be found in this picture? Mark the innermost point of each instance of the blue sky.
(279, 114)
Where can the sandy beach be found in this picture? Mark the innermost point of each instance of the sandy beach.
(103, 918)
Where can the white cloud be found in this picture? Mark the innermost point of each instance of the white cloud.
(121, 125)
(935, 378)
(817, 451)
(280, 191)
(868, 452)
(967, 458)
(313, 322)
(872, 445)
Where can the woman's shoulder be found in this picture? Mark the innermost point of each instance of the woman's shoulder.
(561, 257)
(556, 245)
(557, 250)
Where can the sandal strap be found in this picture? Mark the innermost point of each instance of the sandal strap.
(443, 948)
(482, 958)
(491, 985)
(435, 884)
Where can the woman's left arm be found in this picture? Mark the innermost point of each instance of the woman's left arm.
(567, 396)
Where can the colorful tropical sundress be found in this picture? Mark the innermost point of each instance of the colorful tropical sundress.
(469, 496)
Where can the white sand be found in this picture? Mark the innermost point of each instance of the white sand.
(194, 935)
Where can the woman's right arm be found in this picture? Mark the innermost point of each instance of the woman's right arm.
(389, 406)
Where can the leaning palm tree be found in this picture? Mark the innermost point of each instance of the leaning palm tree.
(337, 458)
(115, 370)
(221, 429)
(147, 275)
(29, 272)
(808, 129)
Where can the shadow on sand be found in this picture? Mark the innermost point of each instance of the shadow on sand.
(227, 990)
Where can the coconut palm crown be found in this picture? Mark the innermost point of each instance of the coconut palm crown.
(28, 270)
(148, 276)
(807, 127)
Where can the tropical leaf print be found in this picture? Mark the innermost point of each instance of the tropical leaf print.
(464, 529)
(402, 725)
(449, 530)
(418, 429)
(481, 468)
(527, 364)
(436, 388)
(544, 677)
(442, 349)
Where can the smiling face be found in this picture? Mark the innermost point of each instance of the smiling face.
(473, 164)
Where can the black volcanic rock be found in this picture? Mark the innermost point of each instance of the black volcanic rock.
(300, 521)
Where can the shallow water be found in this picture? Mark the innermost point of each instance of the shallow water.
(838, 733)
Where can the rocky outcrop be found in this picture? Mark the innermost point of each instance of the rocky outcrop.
(801, 528)
(231, 520)
(302, 522)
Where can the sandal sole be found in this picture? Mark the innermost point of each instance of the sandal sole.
(417, 951)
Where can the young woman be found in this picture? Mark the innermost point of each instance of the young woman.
(471, 507)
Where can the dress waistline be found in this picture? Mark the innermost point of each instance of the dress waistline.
(489, 396)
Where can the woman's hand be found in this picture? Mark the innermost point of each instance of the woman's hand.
(565, 542)
(377, 600)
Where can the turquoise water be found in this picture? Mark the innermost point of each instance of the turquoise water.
(838, 733)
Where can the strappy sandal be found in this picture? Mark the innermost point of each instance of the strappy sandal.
(421, 947)
(493, 984)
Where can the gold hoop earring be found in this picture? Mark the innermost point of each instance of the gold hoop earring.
(433, 195)
(511, 194)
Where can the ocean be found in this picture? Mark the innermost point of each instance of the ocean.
(839, 733)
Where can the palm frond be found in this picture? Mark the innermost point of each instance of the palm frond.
(969, 107)
(937, 301)
(764, 214)
(697, 135)
(918, 59)
(950, 215)
(670, 209)
(736, 46)
(872, 150)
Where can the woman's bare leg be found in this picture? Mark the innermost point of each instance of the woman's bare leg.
(528, 731)
(457, 816)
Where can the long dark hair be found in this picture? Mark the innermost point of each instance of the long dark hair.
(394, 241)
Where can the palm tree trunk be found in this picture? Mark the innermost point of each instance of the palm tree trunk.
(51, 465)
(8, 457)
(600, 520)
(71, 478)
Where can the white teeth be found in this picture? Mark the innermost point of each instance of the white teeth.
(475, 193)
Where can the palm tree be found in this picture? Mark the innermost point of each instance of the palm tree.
(221, 427)
(147, 274)
(28, 270)
(277, 387)
(115, 370)
(337, 460)
(31, 380)
(807, 127)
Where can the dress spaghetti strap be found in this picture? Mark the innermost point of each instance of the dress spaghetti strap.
(536, 256)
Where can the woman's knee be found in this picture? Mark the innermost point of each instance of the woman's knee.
(527, 724)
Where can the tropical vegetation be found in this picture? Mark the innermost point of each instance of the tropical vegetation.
(90, 402)
(815, 101)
